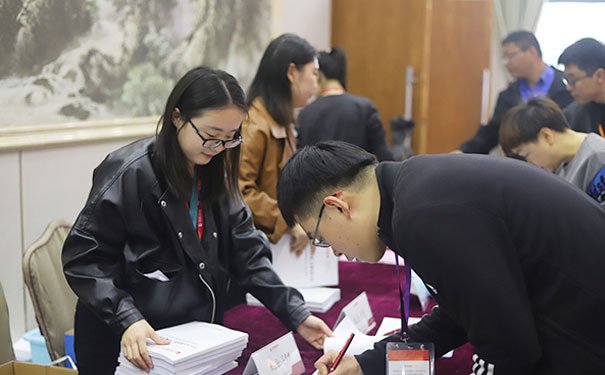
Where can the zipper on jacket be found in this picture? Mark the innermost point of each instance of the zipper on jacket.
(213, 298)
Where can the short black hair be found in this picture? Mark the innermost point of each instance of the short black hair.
(522, 123)
(316, 171)
(271, 80)
(588, 54)
(523, 39)
(333, 65)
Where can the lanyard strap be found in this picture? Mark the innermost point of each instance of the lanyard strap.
(195, 208)
(404, 298)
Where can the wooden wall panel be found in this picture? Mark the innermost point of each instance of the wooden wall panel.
(379, 46)
(446, 41)
(460, 48)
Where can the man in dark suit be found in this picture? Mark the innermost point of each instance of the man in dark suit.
(523, 59)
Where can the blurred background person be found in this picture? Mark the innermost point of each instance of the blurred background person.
(538, 132)
(585, 78)
(522, 57)
(286, 79)
(338, 115)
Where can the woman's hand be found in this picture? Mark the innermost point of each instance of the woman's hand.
(299, 239)
(314, 330)
(134, 344)
(348, 364)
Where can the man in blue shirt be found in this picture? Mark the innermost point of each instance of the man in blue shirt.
(523, 59)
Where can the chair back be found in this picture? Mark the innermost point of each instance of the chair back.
(54, 301)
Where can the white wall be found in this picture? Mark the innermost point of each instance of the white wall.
(11, 240)
(310, 19)
(39, 186)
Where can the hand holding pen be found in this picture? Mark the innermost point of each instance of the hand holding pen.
(337, 363)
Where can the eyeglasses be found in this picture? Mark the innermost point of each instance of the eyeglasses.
(320, 242)
(507, 58)
(573, 82)
(213, 143)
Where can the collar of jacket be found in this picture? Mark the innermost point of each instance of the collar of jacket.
(277, 131)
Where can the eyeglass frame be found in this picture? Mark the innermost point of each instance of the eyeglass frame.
(314, 240)
(572, 83)
(506, 59)
(219, 142)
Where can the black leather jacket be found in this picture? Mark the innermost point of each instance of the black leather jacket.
(131, 226)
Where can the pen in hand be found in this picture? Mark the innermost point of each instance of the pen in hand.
(342, 353)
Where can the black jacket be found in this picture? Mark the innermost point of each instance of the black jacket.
(513, 254)
(131, 226)
(347, 118)
(486, 136)
(585, 117)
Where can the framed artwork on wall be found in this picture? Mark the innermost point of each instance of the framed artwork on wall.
(115, 61)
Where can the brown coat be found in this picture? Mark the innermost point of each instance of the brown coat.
(266, 148)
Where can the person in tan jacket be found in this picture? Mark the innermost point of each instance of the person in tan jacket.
(286, 79)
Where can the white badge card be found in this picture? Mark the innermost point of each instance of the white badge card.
(410, 358)
(281, 357)
(360, 313)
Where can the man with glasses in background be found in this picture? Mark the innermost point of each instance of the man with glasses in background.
(585, 79)
(522, 57)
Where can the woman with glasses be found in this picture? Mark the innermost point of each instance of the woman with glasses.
(285, 80)
(164, 231)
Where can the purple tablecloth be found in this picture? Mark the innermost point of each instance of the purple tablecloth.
(379, 281)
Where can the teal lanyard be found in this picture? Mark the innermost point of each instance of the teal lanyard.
(193, 203)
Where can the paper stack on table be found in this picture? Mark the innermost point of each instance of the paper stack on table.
(311, 268)
(195, 348)
(316, 299)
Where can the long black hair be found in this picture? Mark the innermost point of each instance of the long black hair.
(271, 80)
(199, 89)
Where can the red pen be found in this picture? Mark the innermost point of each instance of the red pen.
(392, 332)
(342, 353)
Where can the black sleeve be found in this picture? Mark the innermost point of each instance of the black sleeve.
(377, 142)
(473, 264)
(251, 265)
(486, 137)
(478, 278)
(435, 327)
(93, 259)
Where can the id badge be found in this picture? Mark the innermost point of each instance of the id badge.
(410, 358)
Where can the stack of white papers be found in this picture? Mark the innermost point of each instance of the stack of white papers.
(316, 299)
(309, 269)
(195, 348)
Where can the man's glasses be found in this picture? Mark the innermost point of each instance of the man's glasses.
(320, 242)
(214, 143)
(507, 58)
(573, 82)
